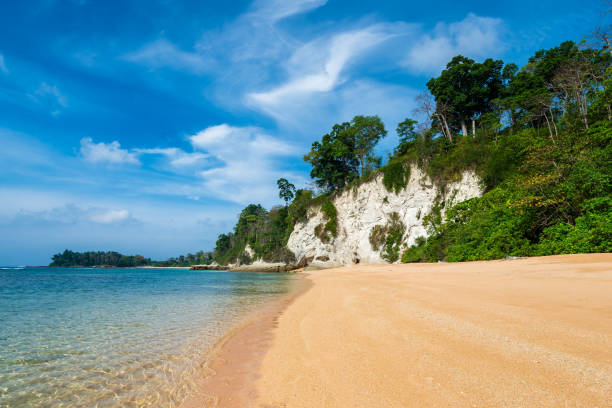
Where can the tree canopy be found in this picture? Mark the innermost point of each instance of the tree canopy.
(346, 153)
(286, 190)
(465, 91)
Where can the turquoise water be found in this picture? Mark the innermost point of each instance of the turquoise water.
(116, 337)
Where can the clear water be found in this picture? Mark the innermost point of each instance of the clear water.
(116, 337)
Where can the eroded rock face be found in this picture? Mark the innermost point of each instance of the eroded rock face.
(360, 209)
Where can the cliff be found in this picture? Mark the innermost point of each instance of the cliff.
(362, 212)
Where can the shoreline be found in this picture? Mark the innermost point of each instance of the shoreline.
(521, 332)
(229, 371)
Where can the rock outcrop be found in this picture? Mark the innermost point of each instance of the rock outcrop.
(370, 204)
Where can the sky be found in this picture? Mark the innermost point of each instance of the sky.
(145, 127)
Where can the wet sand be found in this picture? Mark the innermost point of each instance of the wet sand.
(229, 374)
(531, 332)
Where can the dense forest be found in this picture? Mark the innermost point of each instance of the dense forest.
(115, 259)
(538, 136)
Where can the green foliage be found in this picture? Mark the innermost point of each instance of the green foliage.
(346, 153)
(286, 190)
(465, 90)
(396, 175)
(393, 242)
(367, 132)
(416, 253)
(592, 231)
(265, 232)
(389, 237)
(547, 169)
(298, 209)
(485, 228)
(115, 259)
(557, 200)
(378, 236)
(334, 162)
(99, 258)
(329, 230)
(407, 136)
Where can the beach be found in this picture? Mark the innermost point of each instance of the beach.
(533, 332)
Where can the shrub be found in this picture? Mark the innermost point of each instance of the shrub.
(415, 253)
(389, 237)
(378, 236)
(396, 175)
(591, 233)
(325, 232)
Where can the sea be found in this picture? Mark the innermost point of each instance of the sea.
(95, 337)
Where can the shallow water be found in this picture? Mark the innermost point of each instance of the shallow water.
(116, 337)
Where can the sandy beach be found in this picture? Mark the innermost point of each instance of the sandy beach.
(531, 332)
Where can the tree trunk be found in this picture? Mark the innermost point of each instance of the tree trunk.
(463, 127)
(549, 128)
(445, 127)
(552, 118)
(361, 160)
(473, 127)
(584, 108)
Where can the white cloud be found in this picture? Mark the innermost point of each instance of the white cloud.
(278, 9)
(162, 53)
(110, 216)
(176, 156)
(3, 67)
(106, 152)
(249, 171)
(473, 37)
(318, 75)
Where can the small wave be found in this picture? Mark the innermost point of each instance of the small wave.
(12, 268)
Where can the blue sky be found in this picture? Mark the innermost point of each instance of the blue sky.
(145, 126)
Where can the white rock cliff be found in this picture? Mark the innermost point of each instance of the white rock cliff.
(362, 208)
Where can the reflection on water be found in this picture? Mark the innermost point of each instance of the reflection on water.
(115, 337)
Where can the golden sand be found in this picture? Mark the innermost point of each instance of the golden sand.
(532, 332)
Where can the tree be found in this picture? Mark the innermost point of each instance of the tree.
(435, 113)
(286, 190)
(367, 131)
(464, 91)
(346, 153)
(223, 244)
(407, 136)
(333, 160)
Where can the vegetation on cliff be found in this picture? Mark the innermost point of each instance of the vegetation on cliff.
(539, 137)
(542, 145)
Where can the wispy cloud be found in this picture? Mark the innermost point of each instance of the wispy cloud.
(317, 66)
(274, 10)
(474, 37)
(253, 38)
(176, 156)
(106, 152)
(162, 53)
(71, 213)
(51, 97)
(3, 67)
(110, 216)
(251, 35)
